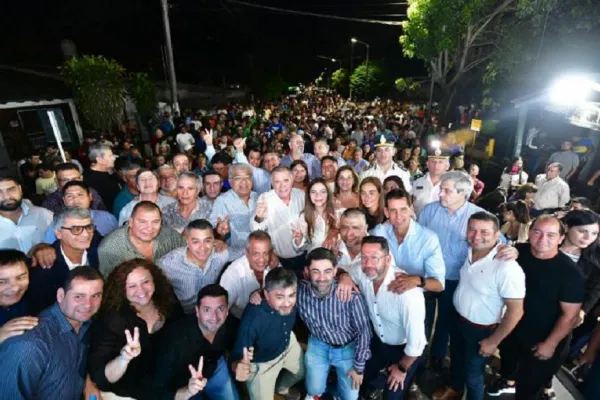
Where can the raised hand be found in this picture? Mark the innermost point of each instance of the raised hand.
(243, 368)
(197, 382)
(261, 209)
(133, 348)
(239, 144)
(298, 235)
(223, 225)
(207, 136)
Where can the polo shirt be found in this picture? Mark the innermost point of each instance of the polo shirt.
(425, 192)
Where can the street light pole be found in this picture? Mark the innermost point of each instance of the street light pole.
(367, 65)
(171, 61)
(351, 67)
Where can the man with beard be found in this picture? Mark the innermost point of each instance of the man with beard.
(22, 225)
(266, 345)
(198, 340)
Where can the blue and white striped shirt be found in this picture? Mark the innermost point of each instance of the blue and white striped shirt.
(229, 203)
(335, 322)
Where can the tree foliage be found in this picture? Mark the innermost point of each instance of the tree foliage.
(339, 79)
(404, 85)
(143, 92)
(368, 80)
(99, 89)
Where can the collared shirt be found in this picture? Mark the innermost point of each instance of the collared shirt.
(395, 169)
(55, 203)
(104, 222)
(229, 203)
(335, 322)
(420, 252)
(239, 281)
(425, 192)
(71, 265)
(484, 285)
(17, 310)
(172, 217)
(308, 158)
(261, 178)
(117, 247)
(188, 278)
(397, 318)
(452, 233)
(316, 166)
(279, 220)
(46, 362)
(122, 199)
(161, 202)
(345, 260)
(551, 194)
(265, 329)
(358, 166)
(29, 229)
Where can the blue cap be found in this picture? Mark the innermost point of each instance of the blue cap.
(385, 139)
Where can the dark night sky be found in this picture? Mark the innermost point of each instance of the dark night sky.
(212, 39)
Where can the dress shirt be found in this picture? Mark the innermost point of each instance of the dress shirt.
(308, 158)
(420, 252)
(188, 278)
(452, 233)
(551, 194)
(424, 192)
(279, 220)
(17, 310)
(240, 213)
(360, 166)
(71, 265)
(397, 318)
(265, 329)
(125, 213)
(261, 178)
(484, 285)
(239, 281)
(104, 222)
(172, 217)
(345, 261)
(508, 180)
(183, 345)
(335, 322)
(55, 203)
(46, 362)
(122, 199)
(117, 247)
(376, 171)
(29, 229)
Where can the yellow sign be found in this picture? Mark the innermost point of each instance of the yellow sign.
(476, 125)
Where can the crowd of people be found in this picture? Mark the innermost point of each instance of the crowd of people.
(308, 248)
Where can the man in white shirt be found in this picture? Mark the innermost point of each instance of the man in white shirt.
(247, 274)
(398, 320)
(426, 189)
(22, 225)
(276, 211)
(553, 192)
(185, 140)
(353, 228)
(384, 164)
(486, 286)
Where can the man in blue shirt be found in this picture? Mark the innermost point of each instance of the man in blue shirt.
(49, 361)
(266, 345)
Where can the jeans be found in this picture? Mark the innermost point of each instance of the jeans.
(467, 365)
(319, 358)
(445, 320)
(220, 386)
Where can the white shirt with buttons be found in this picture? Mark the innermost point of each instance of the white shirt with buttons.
(29, 229)
(424, 192)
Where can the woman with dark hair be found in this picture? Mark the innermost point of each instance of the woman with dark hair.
(517, 221)
(346, 188)
(392, 182)
(138, 302)
(513, 176)
(526, 192)
(300, 172)
(371, 201)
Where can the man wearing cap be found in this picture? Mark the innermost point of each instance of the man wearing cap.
(384, 164)
(427, 188)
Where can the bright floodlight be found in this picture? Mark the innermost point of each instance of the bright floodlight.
(571, 90)
(333, 60)
(353, 40)
(435, 144)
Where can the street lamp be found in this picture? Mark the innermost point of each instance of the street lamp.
(571, 90)
(355, 40)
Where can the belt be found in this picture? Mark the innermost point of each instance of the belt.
(474, 325)
(339, 346)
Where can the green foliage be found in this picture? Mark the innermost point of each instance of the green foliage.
(368, 81)
(339, 79)
(143, 92)
(404, 85)
(99, 89)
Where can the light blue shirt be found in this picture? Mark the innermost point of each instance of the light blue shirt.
(419, 254)
(309, 159)
(29, 229)
(359, 166)
(261, 179)
(452, 233)
(104, 222)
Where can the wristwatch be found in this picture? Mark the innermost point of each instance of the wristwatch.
(402, 368)
(422, 284)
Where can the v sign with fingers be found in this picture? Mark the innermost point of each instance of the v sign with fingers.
(208, 137)
(132, 349)
(223, 225)
(197, 382)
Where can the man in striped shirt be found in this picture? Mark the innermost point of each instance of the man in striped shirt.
(339, 331)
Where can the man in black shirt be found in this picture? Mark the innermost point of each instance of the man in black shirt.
(98, 177)
(192, 356)
(531, 354)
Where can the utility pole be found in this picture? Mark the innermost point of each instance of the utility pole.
(430, 103)
(351, 66)
(171, 61)
(367, 65)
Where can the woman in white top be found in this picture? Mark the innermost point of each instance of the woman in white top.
(318, 218)
(517, 221)
(512, 177)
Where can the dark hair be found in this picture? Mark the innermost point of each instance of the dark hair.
(8, 178)
(486, 217)
(211, 172)
(80, 184)
(519, 208)
(221, 158)
(12, 257)
(584, 201)
(84, 273)
(145, 206)
(252, 149)
(398, 194)
(355, 180)
(67, 166)
(280, 278)
(212, 290)
(385, 247)
(396, 179)
(373, 180)
(164, 298)
(259, 235)
(303, 165)
(580, 218)
(329, 158)
(562, 230)
(321, 253)
(522, 191)
(200, 224)
(310, 210)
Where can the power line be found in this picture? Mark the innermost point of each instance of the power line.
(404, 3)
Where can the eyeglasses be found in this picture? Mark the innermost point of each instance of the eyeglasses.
(78, 229)
(372, 259)
(241, 177)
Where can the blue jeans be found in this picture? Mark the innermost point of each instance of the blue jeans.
(467, 365)
(319, 358)
(220, 386)
(445, 320)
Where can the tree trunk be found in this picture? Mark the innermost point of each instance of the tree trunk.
(448, 94)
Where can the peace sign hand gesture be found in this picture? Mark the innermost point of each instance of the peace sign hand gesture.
(207, 136)
(197, 382)
(133, 348)
(223, 225)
